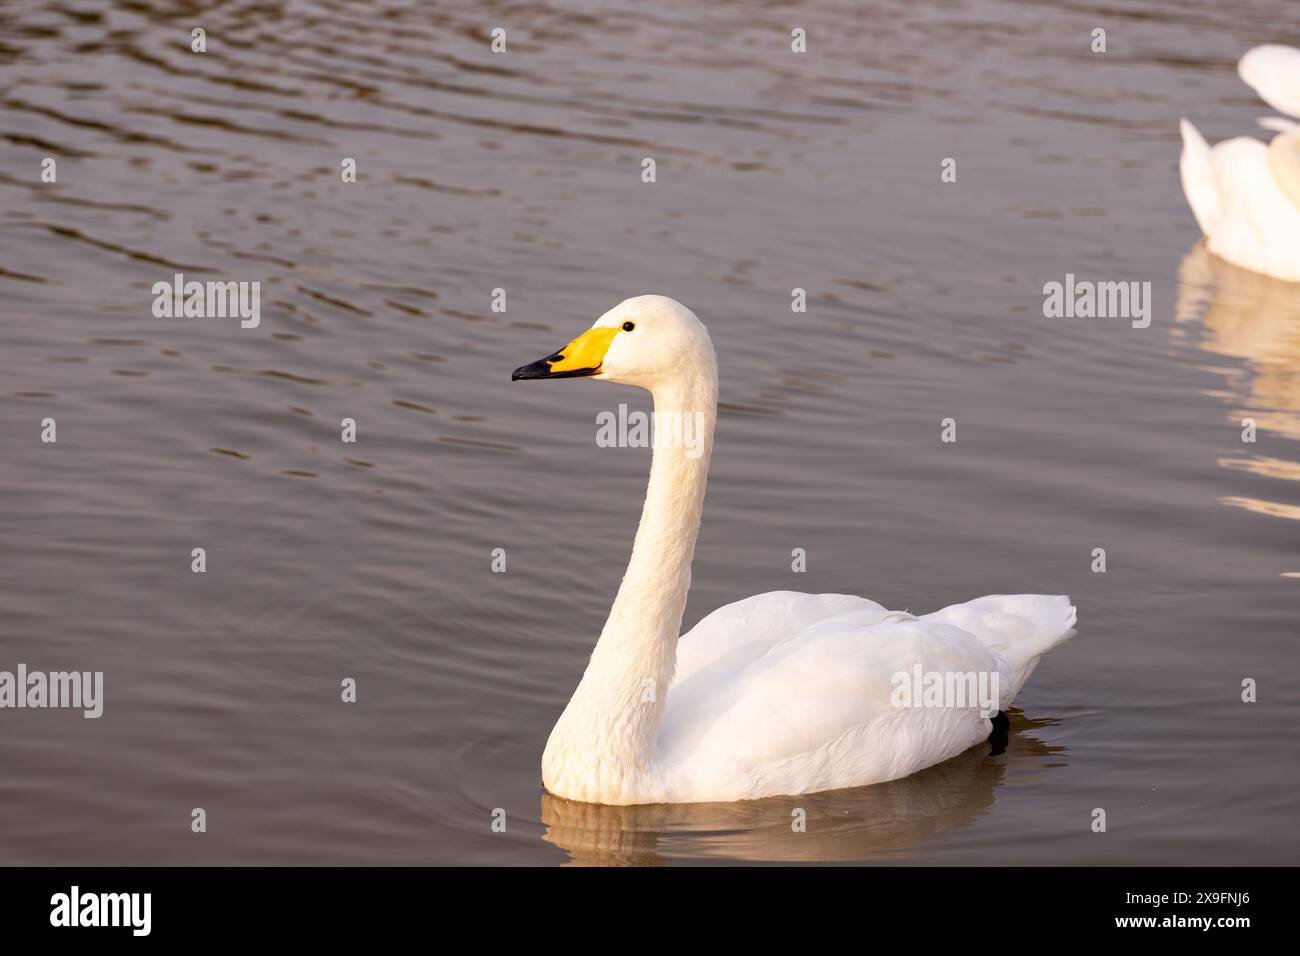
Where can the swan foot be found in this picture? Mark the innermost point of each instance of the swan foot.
(998, 736)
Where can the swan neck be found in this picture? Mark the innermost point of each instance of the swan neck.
(613, 719)
(652, 597)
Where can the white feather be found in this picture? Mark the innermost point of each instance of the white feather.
(787, 693)
(778, 694)
(1246, 196)
(1276, 124)
(1273, 71)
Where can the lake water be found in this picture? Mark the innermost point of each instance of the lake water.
(523, 171)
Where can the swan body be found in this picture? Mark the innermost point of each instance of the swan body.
(777, 694)
(1246, 195)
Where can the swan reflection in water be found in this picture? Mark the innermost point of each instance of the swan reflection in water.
(1245, 315)
(884, 821)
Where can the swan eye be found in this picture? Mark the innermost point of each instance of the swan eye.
(628, 326)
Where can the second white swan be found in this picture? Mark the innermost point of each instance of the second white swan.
(1245, 195)
(777, 694)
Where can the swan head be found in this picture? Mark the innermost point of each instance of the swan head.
(646, 341)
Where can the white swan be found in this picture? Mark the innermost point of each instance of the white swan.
(1245, 195)
(778, 694)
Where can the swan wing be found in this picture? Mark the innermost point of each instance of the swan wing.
(1197, 173)
(1284, 162)
(1273, 71)
(1259, 227)
(1246, 199)
(737, 634)
(1019, 628)
(817, 710)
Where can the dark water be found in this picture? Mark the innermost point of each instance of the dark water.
(522, 171)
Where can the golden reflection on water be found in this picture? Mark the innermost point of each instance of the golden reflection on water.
(888, 821)
(1244, 315)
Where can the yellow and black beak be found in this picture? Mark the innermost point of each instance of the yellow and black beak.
(579, 358)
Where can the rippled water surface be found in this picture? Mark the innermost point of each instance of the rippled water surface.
(522, 171)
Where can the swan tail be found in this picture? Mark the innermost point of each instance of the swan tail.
(1197, 174)
(1273, 71)
(1020, 628)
